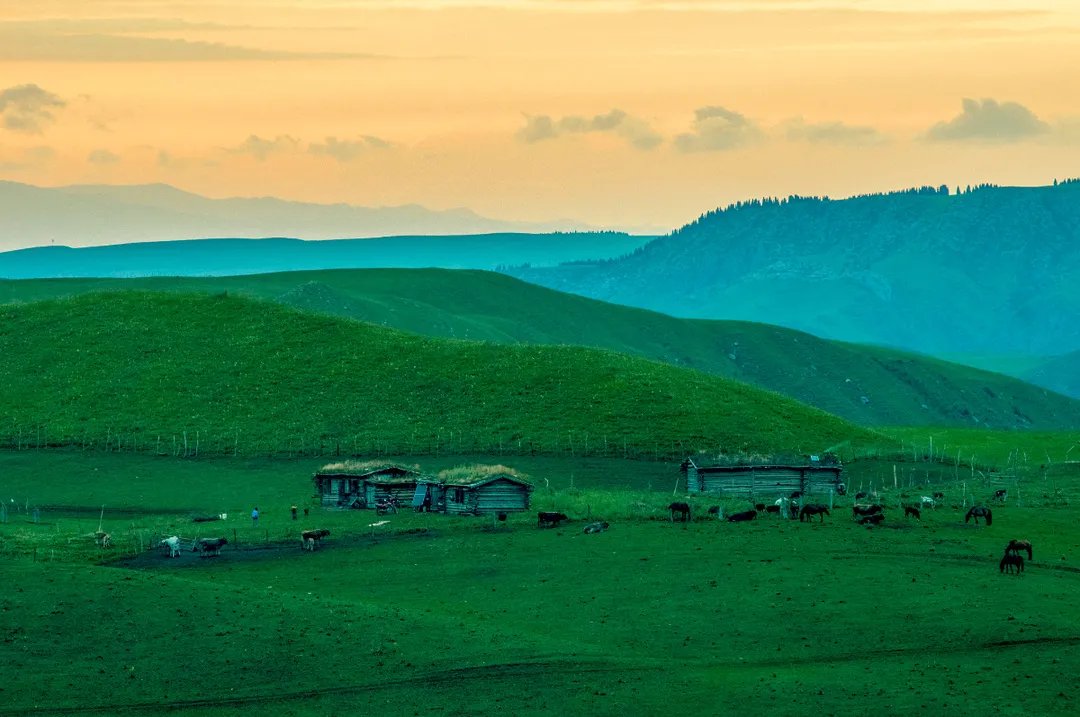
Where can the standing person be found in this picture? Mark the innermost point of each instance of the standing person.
(293, 512)
(255, 516)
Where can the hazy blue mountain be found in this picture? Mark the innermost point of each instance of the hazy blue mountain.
(1060, 373)
(220, 257)
(990, 271)
(93, 215)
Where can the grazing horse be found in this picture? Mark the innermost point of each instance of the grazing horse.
(742, 517)
(597, 527)
(309, 539)
(979, 511)
(875, 519)
(912, 511)
(550, 519)
(683, 509)
(1015, 546)
(928, 502)
(1009, 562)
(1001, 494)
(210, 547)
(173, 544)
(811, 509)
(858, 511)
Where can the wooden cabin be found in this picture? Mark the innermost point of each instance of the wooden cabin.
(480, 490)
(358, 484)
(764, 480)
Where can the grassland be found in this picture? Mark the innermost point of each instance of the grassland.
(871, 386)
(438, 615)
(198, 374)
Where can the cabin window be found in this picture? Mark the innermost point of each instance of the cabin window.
(459, 495)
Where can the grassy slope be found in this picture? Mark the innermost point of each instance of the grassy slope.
(128, 368)
(871, 386)
(460, 620)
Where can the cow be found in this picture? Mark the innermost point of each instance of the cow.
(811, 509)
(309, 539)
(772, 509)
(759, 507)
(938, 495)
(683, 509)
(1015, 546)
(173, 544)
(858, 511)
(597, 527)
(742, 517)
(861, 494)
(714, 510)
(550, 519)
(911, 511)
(874, 519)
(1001, 494)
(210, 547)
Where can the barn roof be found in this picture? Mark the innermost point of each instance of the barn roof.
(764, 467)
(367, 468)
(477, 475)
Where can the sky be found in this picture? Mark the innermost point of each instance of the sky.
(619, 113)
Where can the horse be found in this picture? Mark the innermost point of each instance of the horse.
(875, 519)
(549, 518)
(742, 517)
(1015, 546)
(683, 509)
(309, 539)
(912, 511)
(979, 511)
(811, 509)
(173, 544)
(927, 502)
(1001, 494)
(858, 511)
(1011, 561)
(210, 547)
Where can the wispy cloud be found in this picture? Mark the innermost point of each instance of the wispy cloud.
(798, 130)
(990, 121)
(716, 129)
(347, 150)
(28, 108)
(261, 148)
(634, 130)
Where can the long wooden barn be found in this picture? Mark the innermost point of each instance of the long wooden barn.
(763, 480)
(479, 490)
(359, 484)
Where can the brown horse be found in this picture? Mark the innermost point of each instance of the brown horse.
(1015, 546)
(1009, 563)
(979, 511)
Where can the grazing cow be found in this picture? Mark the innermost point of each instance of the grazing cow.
(858, 511)
(550, 519)
(927, 502)
(173, 544)
(683, 509)
(210, 547)
(772, 509)
(875, 519)
(811, 509)
(1015, 546)
(597, 527)
(309, 539)
(1010, 563)
(742, 517)
(911, 511)
(938, 495)
(979, 511)
(759, 507)
(1001, 495)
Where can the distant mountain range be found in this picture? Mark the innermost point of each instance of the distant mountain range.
(87, 215)
(988, 271)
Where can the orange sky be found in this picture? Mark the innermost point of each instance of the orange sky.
(625, 113)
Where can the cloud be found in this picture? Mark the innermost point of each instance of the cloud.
(798, 130)
(345, 150)
(261, 148)
(717, 129)
(634, 130)
(28, 108)
(102, 157)
(989, 120)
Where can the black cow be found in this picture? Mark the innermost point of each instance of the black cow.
(743, 516)
(1001, 494)
(913, 512)
(863, 510)
(210, 547)
(683, 509)
(772, 509)
(550, 519)
(811, 509)
(875, 519)
(714, 510)
(759, 507)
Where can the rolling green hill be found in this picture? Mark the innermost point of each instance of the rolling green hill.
(868, 385)
(183, 373)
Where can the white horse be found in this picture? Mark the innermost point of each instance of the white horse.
(173, 544)
(928, 502)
